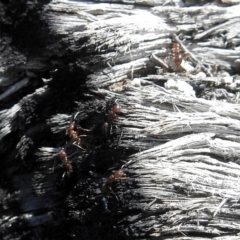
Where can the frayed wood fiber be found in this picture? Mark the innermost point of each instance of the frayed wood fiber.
(120, 120)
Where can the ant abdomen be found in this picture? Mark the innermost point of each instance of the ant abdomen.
(65, 162)
(177, 57)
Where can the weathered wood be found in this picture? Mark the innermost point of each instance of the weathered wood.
(174, 145)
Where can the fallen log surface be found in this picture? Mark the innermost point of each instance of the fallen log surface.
(120, 120)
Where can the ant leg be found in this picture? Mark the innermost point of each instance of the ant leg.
(120, 138)
(110, 128)
(54, 163)
(84, 129)
(77, 145)
(74, 117)
(114, 194)
(105, 204)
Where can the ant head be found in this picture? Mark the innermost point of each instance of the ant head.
(116, 108)
(62, 154)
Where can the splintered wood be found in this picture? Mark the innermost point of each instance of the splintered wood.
(194, 177)
(134, 42)
(143, 128)
(185, 177)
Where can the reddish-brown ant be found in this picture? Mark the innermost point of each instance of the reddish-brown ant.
(111, 116)
(73, 133)
(65, 162)
(112, 113)
(107, 186)
(177, 57)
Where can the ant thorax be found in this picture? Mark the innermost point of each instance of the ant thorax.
(176, 61)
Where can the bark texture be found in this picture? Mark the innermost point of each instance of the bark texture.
(120, 120)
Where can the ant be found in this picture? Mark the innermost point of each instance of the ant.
(73, 133)
(112, 113)
(111, 116)
(65, 162)
(177, 57)
(107, 187)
